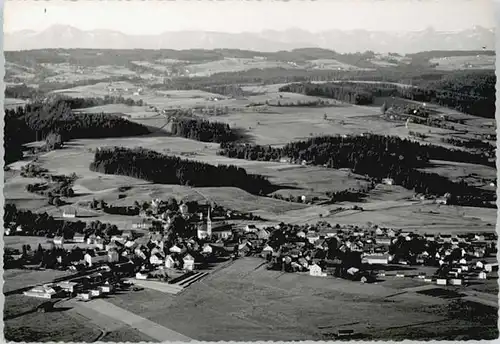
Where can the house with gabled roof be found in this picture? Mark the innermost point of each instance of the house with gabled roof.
(188, 262)
(156, 259)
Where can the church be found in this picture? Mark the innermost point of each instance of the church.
(219, 230)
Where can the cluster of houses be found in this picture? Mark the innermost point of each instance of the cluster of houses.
(149, 252)
(84, 288)
(314, 249)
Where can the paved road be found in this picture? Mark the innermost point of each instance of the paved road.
(149, 328)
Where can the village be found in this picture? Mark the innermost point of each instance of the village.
(169, 250)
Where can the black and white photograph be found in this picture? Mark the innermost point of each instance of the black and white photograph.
(247, 171)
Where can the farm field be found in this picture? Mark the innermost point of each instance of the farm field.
(12, 103)
(464, 62)
(232, 65)
(256, 304)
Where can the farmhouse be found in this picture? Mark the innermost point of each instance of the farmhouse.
(113, 256)
(69, 212)
(58, 240)
(79, 238)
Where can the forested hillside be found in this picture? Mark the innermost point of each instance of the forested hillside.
(158, 168)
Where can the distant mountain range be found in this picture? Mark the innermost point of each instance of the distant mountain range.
(62, 36)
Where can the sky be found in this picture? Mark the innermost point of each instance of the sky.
(154, 16)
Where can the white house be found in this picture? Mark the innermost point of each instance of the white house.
(156, 259)
(207, 249)
(79, 238)
(268, 249)
(113, 256)
(315, 270)
(376, 259)
(175, 249)
(301, 234)
(141, 276)
(456, 281)
(183, 208)
(188, 262)
(169, 262)
(490, 267)
(441, 281)
(58, 240)
(69, 213)
(312, 237)
(84, 296)
(482, 275)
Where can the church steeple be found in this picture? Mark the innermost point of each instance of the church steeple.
(209, 223)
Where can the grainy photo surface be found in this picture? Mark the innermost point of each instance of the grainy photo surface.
(249, 171)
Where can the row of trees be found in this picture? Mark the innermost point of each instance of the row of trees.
(80, 103)
(152, 166)
(350, 93)
(202, 130)
(373, 155)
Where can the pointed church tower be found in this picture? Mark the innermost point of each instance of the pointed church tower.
(209, 223)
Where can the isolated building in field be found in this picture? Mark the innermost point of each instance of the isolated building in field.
(59, 240)
(44, 291)
(69, 212)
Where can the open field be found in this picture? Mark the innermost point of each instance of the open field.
(419, 217)
(330, 64)
(465, 62)
(13, 103)
(232, 65)
(256, 304)
(471, 173)
(68, 73)
(67, 323)
(16, 279)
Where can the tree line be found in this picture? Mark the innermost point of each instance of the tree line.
(41, 120)
(155, 167)
(203, 130)
(80, 103)
(350, 93)
(42, 224)
(375, 156)
(469, 92)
